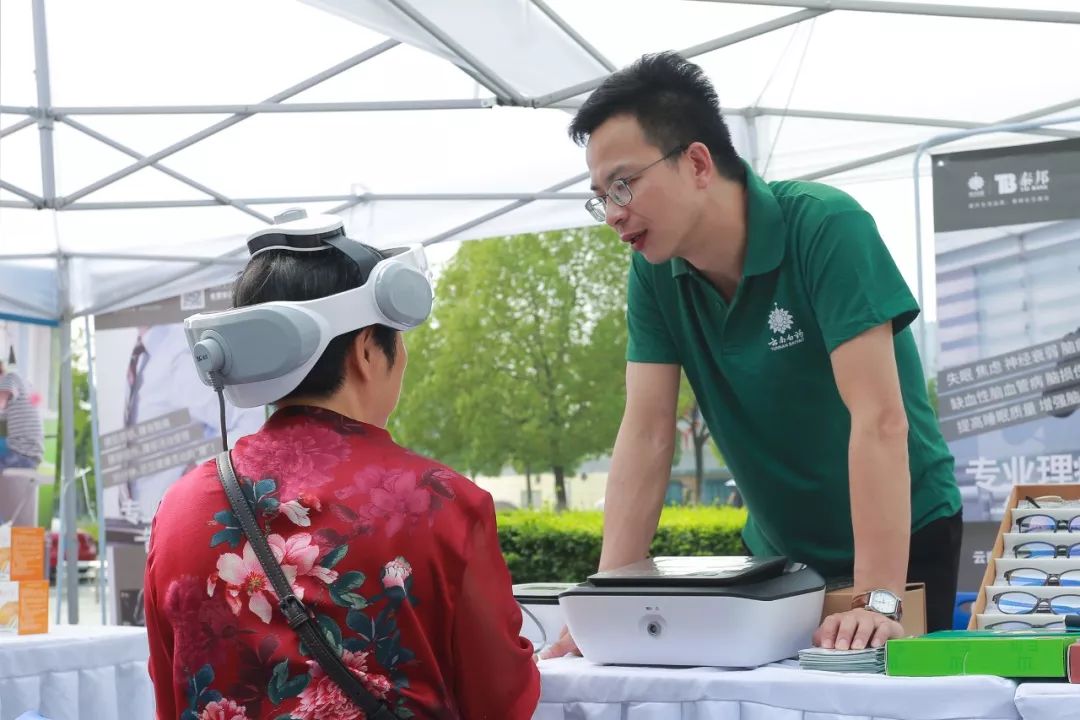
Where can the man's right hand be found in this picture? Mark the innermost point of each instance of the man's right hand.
(565, 645)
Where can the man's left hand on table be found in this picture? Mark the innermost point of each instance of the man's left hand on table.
(856, 629)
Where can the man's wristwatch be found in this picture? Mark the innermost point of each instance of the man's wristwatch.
(880, 601)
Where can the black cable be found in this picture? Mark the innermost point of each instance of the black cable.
(219, 387)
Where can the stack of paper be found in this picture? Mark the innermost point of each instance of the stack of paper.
(869, 660)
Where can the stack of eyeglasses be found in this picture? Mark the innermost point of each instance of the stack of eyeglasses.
(1037, 578)
(1046, 502)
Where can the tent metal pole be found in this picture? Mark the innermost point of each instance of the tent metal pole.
(67, 577)
(20, 204)
(574, 35)
(752, 141)
(941, 140)
(222, 199)
(491, 79)
(914, 8)
(275, 108)
(446, 235)
(348, 199)
(899, 152)
(99, 485)
(44, 98)
(17, 110)
(10, 129)
(157, 258)
(29, 256)
(129, 293)
(731, 39)
(229, 122)
(26, 194)
(31, 307)
(894, 120)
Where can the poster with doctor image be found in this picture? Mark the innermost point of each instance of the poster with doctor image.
(1007, 231)
(156, 419)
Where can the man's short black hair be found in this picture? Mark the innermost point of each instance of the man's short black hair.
(672, 100)
(286, 275)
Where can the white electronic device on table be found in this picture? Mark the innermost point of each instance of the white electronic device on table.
(696, 611)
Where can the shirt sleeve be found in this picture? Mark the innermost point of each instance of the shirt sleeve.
(159, 635)
(649, 339)
(495, 676)
(853, 282)
(10, 384)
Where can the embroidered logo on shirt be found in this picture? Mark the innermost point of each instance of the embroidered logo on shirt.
(782, 325)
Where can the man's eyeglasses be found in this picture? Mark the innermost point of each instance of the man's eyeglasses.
(619, 190)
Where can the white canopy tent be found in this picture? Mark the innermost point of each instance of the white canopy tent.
(140, 142)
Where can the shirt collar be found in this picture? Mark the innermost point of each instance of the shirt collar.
(765, 230)
(341, 424)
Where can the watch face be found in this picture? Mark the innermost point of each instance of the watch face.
(883, 602)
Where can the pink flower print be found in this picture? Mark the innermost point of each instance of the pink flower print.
(322, 699)
(224, 709)
(396, 572)
(300, 552)
(398, 500)
(244, 576)
(310, 500)
(297, 513)
(296, 456)
(369, 478)
(199, 626)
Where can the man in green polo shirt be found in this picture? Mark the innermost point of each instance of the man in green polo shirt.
(784, 308)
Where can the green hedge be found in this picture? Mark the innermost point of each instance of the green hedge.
(551, 547)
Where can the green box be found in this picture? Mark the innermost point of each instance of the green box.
(1020, 654)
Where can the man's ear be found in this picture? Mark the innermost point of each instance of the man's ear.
(701, 163)
(361, 354)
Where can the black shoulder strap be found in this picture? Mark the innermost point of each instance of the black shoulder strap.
(300, 618)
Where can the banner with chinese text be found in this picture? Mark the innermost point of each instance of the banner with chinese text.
(156, 421)
(1007, 231)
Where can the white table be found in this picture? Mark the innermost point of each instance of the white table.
(574, 688)
(77, 673)
(1048, 701)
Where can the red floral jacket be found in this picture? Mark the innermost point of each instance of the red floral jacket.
(397, 555)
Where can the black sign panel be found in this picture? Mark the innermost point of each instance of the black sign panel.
(1007, 186)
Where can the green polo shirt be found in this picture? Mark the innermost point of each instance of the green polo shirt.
(816, 274)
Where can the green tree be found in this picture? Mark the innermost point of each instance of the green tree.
(690, 422)
(84, 443)
(522, 362)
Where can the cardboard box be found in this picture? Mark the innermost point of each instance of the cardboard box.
(1019, 492)
(24, 607)
(1023, 654)
(914, 604)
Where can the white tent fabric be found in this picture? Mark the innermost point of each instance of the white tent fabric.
(799, 97)
(142, 141)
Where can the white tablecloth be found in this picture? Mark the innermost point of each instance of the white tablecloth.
(574, 688)
(77, 673)
(1048, 701)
